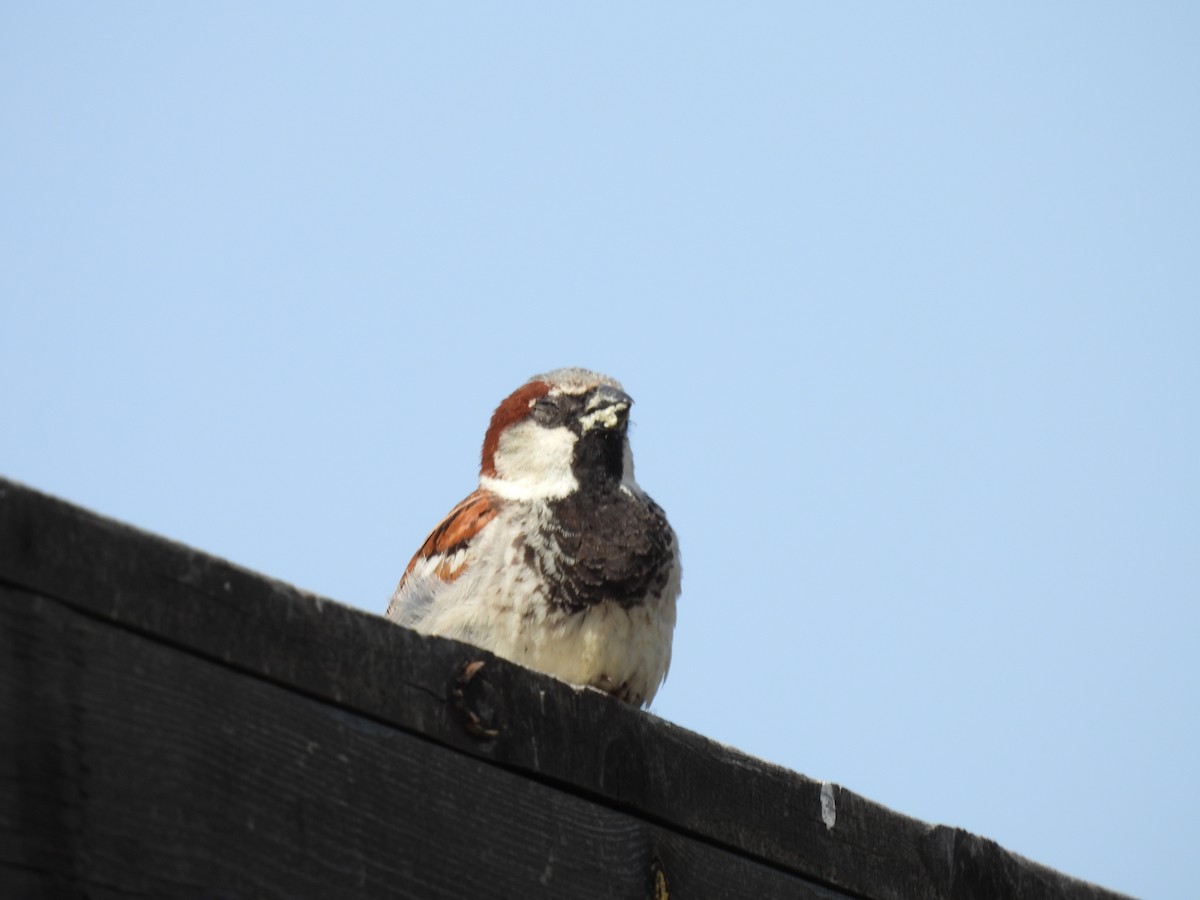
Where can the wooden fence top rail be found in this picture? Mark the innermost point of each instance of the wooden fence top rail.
(239, 651)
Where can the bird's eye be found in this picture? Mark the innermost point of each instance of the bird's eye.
(551, 410)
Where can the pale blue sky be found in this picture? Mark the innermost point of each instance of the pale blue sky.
(908, 296)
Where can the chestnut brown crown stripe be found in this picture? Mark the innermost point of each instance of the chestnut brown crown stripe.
(512, 410)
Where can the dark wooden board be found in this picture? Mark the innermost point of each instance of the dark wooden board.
(141, 769)
(580, 741)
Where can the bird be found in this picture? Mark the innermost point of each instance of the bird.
(558, 561)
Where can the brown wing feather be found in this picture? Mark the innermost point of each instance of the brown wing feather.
(454, 532)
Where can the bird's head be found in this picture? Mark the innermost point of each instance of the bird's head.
(556, 433)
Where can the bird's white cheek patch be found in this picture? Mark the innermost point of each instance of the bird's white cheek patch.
(533, 462)
(628, 483)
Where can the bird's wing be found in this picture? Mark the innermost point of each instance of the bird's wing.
(442, 558)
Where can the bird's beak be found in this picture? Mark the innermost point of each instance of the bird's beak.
(607, 407)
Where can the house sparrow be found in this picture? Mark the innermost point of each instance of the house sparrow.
(559, 561)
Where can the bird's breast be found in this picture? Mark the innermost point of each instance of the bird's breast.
(610, 546)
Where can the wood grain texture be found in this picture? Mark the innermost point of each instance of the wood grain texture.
(580, 741)
(140, 769)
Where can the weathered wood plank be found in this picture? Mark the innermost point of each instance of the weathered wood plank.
(141, 769)
(578, 739)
